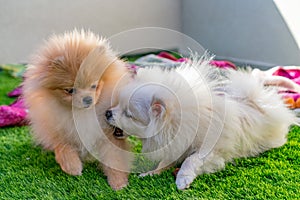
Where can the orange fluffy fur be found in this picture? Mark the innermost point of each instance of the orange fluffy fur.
(76, 72)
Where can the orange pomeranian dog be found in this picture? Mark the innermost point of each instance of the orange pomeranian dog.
(68, 87)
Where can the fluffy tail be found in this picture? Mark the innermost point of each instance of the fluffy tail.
(268, 108)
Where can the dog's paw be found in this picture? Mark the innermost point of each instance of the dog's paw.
(69, 161)
(118, 184)
(116, 179)
(72, 167)
(72, 170)
(183, 182)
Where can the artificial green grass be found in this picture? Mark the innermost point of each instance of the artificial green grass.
(28, 172)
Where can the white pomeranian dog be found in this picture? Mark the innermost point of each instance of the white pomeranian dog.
(200, 115)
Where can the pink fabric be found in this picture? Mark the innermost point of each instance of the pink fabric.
(183, 60)
(294, 96)
(223, 64)
(19, 103)
(133, 68)
(167, 55)
(293, 74)
(14, 114)
(218, 63)
(16, 92)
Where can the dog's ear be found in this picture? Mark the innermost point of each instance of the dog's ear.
(158, 107)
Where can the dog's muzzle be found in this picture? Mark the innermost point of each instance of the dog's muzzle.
(118, 133)
(87, 101)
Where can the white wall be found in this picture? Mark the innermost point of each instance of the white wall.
(250, 31)
(289, 9)
(24, 24)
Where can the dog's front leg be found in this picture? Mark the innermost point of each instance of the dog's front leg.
(116, 163)
(68, 159)
(195, 165)
(188, 171)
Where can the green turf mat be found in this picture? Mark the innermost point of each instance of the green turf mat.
(28, 172)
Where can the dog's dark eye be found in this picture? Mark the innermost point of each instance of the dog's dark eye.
(127, 114)
(93, 86)
(70, 90)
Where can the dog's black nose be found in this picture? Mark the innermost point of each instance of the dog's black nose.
(88, 100)
(108, 114)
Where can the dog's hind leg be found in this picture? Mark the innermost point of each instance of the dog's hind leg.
(195, 165)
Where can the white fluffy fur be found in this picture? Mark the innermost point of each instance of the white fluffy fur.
(207, 116)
